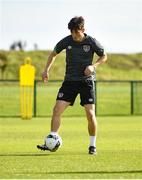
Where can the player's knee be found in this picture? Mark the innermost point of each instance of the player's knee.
(56, 111)
(91, 116)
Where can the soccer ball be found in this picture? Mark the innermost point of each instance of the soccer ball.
(53, 142)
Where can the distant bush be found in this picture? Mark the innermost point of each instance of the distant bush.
(118, 66)
(3, 63)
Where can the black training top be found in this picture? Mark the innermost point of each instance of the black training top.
(79, 55)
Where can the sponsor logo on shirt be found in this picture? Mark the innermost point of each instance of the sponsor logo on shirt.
(86, 48)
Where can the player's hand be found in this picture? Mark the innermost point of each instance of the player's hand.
(89, 70)
(45, 76)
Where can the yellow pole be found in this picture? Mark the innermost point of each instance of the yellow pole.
(22, 101)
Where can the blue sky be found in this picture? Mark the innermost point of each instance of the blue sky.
(117, 24)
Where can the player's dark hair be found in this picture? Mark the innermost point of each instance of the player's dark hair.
(76, 23)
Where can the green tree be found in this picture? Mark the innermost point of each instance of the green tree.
(3, 64)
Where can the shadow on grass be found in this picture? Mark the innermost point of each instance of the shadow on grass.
(46, 153)
(25, 154)
(94, 172)
(85, 172)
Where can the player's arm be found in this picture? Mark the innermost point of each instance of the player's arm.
(90, 69)
(100, 60)
(58, 48)
(99, 50)
(50, 61)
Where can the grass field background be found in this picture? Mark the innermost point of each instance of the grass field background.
(119, 142)
(112, 99)
(119, 147)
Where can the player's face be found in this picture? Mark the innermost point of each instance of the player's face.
(77, 35)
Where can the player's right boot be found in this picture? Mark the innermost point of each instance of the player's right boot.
(43, 147)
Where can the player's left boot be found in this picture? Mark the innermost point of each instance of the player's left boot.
(92, 150)
(43, 147)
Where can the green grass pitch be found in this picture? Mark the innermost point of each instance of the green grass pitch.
(119, 147)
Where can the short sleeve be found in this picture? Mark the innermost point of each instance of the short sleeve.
(61, 45)
(97, 47)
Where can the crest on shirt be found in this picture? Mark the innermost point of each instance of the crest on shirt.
(69, 47)
(86, 48)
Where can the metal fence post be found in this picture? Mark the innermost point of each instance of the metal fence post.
(35, 94)
(132, 97)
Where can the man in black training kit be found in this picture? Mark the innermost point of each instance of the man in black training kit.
(79, 77)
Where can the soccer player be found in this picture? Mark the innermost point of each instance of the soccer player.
(79, 77)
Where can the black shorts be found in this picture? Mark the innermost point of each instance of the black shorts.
(70, 89)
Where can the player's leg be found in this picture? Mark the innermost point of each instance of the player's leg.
(92, 126)
(58, 109)
(66, 96)
(92, 123)
(87, 95)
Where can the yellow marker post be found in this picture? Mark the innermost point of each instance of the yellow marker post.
(27, 77)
